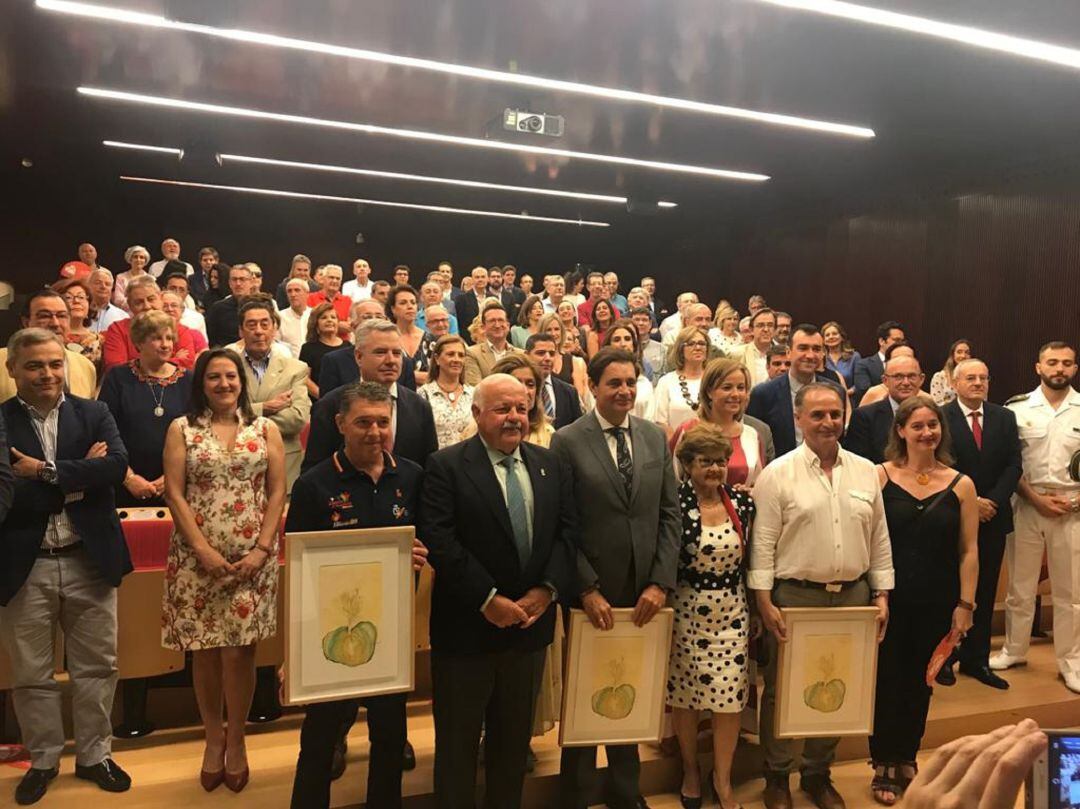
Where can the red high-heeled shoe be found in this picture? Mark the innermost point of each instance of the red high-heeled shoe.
(211, 780)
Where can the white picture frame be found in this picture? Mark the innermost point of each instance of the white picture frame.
(616, 680)
(349, 614)
(826, 675)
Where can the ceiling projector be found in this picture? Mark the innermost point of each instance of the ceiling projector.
(534, 123)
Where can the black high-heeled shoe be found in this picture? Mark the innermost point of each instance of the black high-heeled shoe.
(688, 802)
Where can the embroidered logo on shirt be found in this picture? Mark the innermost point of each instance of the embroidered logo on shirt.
(342, 501)
(399, 512)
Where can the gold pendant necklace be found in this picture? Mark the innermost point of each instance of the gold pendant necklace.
(923, 478)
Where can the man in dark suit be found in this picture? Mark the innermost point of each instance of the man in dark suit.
(869, 370)
(624, 485)
(498, 517)
(560, 400)
(868, 432)
(468, 303)
(378, 358)
(62, 556)
(657, 307)
(199, 280)
(360, 486)
(987, 449)
(339, 366)
(773, 401)
(223, 318)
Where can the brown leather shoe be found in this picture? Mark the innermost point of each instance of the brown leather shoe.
(777, 793)
(822, 792)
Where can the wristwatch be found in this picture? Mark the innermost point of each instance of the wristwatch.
(47, 473)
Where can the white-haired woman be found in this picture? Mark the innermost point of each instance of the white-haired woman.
(137, 257)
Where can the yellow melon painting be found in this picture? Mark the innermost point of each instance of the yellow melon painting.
(828, 666)
(616, 676)
(350, 611)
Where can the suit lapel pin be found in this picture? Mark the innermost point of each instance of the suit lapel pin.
(543, 472)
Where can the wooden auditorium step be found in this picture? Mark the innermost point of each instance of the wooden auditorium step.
(165, 765)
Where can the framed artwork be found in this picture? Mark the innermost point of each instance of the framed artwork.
(616, 680)
(348, 614)
(827, 672)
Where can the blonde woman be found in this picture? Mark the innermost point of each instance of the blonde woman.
(569, 367)
(676, 395)
(725, 334)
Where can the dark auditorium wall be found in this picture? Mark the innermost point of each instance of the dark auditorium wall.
(999, 267)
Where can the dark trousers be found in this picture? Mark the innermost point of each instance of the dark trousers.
(903, 697)
(577, 766)
(495, 692)
(975, 650)
(321, 731)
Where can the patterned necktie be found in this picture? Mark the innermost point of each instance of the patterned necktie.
(519, 516)
(549, 402)
(622, 457)
(976, 429)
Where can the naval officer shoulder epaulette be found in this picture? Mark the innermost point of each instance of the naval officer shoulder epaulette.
(1022, 397)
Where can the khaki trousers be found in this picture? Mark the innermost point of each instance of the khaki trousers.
(67, 590)
(817, 754)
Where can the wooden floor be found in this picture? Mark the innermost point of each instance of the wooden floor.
(164, 766)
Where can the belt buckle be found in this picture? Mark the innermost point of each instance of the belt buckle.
(834, 587)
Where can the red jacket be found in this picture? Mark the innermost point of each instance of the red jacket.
(119, 350)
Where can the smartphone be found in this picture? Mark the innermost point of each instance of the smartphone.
(1054, 781)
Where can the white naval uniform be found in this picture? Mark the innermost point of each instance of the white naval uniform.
(1048, 439)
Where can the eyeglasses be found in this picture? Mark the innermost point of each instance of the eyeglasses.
(73, 298)
(705, 463)
(695, 344)
(905, 377)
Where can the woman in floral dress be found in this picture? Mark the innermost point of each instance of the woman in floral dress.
(225, 486)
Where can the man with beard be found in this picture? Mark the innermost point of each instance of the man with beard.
(1047, 513)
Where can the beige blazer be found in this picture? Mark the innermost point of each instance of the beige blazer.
(284, 374)
(479, 360)
(81, 376)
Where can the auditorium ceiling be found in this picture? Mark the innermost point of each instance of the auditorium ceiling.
(945, 116)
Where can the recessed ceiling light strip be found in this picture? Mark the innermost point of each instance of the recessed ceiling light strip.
(274, 192)
(119, 144)
(1018, 46)
(157, 21)
(413, 134)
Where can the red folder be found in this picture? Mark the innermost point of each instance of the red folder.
(940, 655)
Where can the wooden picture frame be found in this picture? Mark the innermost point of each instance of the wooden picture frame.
(616, 680)
(826, 672)
(349, 629)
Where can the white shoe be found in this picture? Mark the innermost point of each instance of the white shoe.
(1072, 682)
(1002, 661)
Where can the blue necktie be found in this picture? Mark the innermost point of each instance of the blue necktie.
(519, 516)
(549, 402)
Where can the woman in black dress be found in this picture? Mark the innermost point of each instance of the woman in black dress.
(322, 338)
(144, 396)
(933, 518)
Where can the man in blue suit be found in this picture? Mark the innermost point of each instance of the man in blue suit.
(870, 369)
(773, 402)
(559, 399)
(339, 366)
(62, 556)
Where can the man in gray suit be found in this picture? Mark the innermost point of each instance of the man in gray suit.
(624, 482)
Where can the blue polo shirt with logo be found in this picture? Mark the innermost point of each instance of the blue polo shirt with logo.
(335, 495)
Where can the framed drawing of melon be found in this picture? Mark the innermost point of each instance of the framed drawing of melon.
(827, 672)
(348, 614)
(616, 680)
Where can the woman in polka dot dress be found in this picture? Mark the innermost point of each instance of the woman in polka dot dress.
(709, 651)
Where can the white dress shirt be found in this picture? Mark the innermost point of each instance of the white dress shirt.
(191, 319)
(967, 411)
(106, 317)
(357, 291)
(808, 527)
(158, 267)
(293, 331)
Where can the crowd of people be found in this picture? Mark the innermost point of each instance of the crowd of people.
(554, 442)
